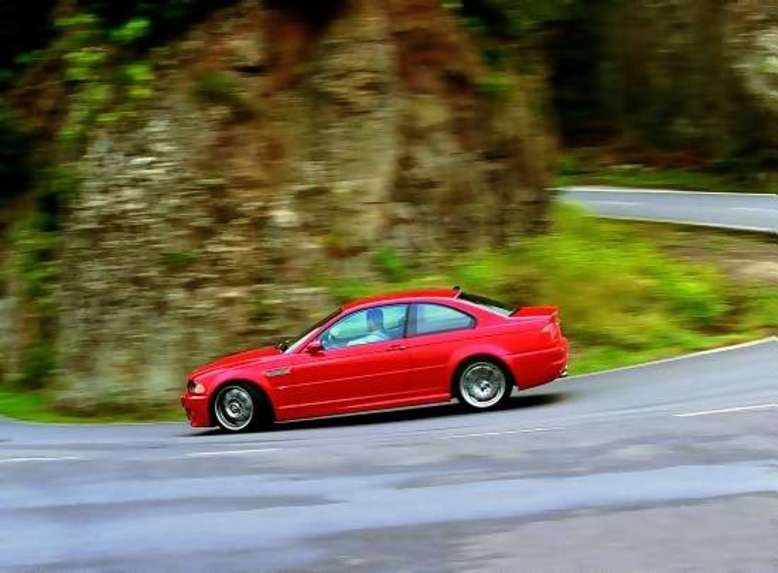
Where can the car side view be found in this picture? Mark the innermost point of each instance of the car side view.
(389, 351)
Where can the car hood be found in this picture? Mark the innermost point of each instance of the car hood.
(238, 359)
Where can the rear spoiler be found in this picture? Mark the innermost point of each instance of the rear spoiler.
(552, 312)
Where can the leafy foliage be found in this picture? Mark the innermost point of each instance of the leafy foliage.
(221, 88)
(14, 162)
(391, 264)
(623, 300)
(24, 27)
(509, 18)
(144, 23)
(36, 243)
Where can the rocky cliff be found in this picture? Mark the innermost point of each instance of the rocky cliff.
(280, 143)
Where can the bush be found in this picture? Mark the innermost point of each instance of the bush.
(37, 366)
(390, 264)
(221, 88)
(143, 23)
(14, 156)
(622, 299)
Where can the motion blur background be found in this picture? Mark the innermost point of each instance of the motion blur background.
(184, 178)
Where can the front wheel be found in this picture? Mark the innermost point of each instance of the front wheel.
(238, 407)
(482, 385)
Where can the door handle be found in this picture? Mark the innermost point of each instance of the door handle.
(396, 348)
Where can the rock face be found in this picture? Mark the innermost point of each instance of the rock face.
(699, 75)
(752, 39)
(200, 225)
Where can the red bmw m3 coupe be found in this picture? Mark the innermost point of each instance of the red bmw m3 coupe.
(389, 351)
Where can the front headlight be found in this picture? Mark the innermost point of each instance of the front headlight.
(194, 388)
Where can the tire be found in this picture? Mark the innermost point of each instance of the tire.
(482, 384)
(239, 407)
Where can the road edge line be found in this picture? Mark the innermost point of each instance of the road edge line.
(755, 407)
(678, 358)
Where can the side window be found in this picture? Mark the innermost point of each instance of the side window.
(438, 318)
(377, 324)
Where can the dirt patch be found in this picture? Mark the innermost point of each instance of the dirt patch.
(745, 257)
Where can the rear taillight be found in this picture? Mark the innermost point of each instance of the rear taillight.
(551, 331)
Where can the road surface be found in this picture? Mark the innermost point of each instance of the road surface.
(741, 211)
(672, 465)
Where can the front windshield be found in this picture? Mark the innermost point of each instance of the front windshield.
(293, 344)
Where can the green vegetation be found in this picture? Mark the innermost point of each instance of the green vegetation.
(38, 407)
(14, 163)
(36, 242)
(178, 261)
(623, 300)
(106, 79)
(574, 171)
(508, 18)
(221, 88)
(658, 89)
(390, 264)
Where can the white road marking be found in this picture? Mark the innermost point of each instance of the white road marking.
(627, 203)
(767, 340)
(728, 410)
(502, 433)
(39, 459)
(753, 209)
(230, 453)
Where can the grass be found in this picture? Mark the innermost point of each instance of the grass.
(38, 407)
(628, 293)
(571, 172)
(623, 299)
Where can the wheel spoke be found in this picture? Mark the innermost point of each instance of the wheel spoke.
(234, 408)
(483, 385)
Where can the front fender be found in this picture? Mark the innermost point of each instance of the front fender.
(250, 375)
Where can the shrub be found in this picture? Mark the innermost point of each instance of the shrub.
(14, 152)
(390, 264)
(222, 88)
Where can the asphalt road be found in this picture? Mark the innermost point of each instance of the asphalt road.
(672, 465)
(741, 211)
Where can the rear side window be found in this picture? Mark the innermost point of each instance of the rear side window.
(432, 318)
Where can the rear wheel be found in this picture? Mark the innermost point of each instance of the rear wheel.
(239, 407)
(483, 384)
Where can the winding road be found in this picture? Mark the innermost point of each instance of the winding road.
(738, 211)
(670, 465)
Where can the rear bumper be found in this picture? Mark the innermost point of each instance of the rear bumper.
(197, 410)
(532, 369)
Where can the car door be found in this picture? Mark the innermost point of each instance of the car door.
(358, 366)
(435, 332)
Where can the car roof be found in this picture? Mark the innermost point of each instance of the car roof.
(396, 296)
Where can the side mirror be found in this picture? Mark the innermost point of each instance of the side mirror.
(315, 347)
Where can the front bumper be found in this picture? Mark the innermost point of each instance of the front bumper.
(197, 410)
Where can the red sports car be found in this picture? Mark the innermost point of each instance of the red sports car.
(403, 349)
